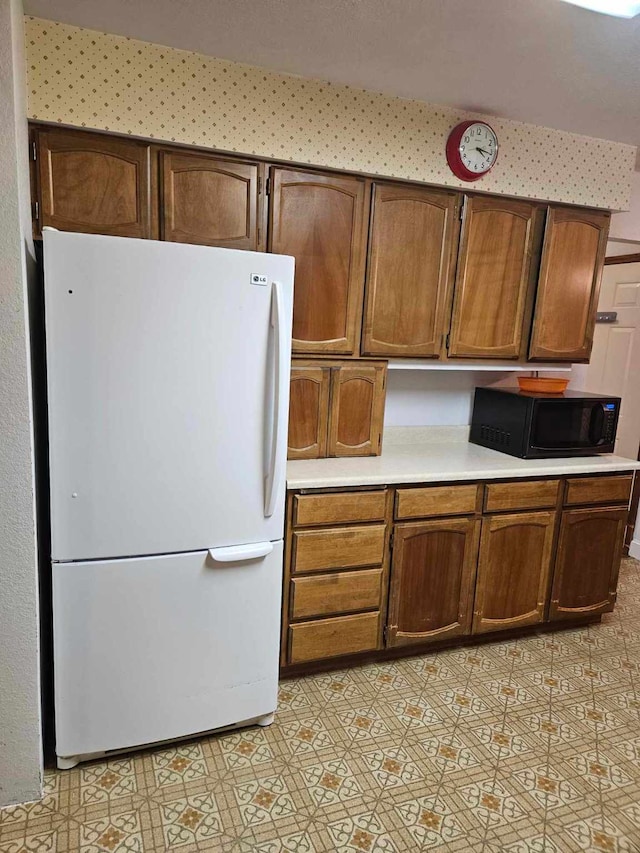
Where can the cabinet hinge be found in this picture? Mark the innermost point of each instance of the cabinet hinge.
(268, 186)
(391, 541)
(446, 343)
(259, 186)
(36, 211)
(385, 634)
(34, 150)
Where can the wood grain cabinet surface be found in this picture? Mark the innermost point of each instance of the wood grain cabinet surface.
(411, 256)
(432, 579)
(320, 220)
(308, 411)
(94, 183)
(326, 638)
(569, 284)
(209, 201)
(357, 409)
(494, 286)
(587, 562)
(513, 570)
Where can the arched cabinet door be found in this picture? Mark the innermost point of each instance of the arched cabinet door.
(432, 580)
(94, 184)
(493, 289)
(209, 201)
(588, 562)
(513, 570)
(569, 284)
(411, 257)
(357, 409)
(308, 411)
(319, 219)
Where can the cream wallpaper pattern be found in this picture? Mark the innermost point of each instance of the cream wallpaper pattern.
(89, 79)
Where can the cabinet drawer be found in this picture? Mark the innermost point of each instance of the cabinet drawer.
(533, 495)
(327, 638)
(339, 508)
(340, 592)
(436, 500)
(338, 548)
(599, 490)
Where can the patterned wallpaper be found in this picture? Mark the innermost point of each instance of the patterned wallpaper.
(90, 79)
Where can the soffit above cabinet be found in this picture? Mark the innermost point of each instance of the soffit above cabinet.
(84, 78)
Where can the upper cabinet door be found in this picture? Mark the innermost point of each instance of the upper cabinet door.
(319, 219)
(308, 411)
(432, 578)
(572, 258)
(94, 184)
(410, 261)
(493, 279)
(357, 410)
(209, 201)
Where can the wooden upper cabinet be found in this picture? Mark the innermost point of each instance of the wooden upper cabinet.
(357, 410)
(493, 279)
(94, 184)
(410, 262)
(308, 411)
(587, 563)
(513, 571)
(432, 579)
(319, 219)
(569, 283)
(209, 201)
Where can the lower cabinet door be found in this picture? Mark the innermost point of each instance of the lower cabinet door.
(432, 578)
(513, 570)
(588, 561)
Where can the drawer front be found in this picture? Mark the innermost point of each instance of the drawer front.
(339, 508)
(599, 490)
(436, 500)
(536, 494)
(328, 638)
(338, 548)
(340, 592)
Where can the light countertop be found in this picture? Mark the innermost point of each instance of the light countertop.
(431, 454)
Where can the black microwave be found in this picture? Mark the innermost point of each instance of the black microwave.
(537, 425)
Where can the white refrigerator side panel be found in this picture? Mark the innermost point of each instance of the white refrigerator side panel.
(160, 363)
(157, 648)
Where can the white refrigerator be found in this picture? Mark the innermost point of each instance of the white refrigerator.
(168, 377)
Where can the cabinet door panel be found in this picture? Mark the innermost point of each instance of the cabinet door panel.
(513, 570)
(209, 201)
(308, 412)
(357, 410)
(319, 219)
(410, 263)
(94, 184)
(587, 562)
(569, 284)
(493, 278)
(432, 576)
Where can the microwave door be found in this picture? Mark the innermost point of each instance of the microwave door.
(567, 425)
(596, 427)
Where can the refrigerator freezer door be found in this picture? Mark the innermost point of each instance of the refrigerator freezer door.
(165, 366)
(155, 648)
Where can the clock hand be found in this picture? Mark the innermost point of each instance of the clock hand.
(482, 151)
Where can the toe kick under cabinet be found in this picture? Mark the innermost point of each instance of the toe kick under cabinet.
(369, 572)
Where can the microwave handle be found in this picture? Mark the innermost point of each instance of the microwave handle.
(596, 426)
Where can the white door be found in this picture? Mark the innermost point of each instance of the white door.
(615, 359)
(156, 648)
(166, 365)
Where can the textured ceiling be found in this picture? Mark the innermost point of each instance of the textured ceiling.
(539, 61)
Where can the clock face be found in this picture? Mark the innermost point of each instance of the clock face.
(472, 149)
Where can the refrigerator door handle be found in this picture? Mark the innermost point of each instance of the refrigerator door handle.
(278, 448)
(239, 553)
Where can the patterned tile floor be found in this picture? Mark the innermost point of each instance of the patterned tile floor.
(527, 746)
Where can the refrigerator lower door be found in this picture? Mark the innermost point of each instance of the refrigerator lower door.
(157, 648)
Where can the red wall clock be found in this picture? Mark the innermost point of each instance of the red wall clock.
(472, 150)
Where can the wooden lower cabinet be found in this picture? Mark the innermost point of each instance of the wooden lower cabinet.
(587, 562)
(432, 576)
(507, 555)
(513, 570)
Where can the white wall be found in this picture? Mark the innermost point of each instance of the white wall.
(626, 226)
(20, 730)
